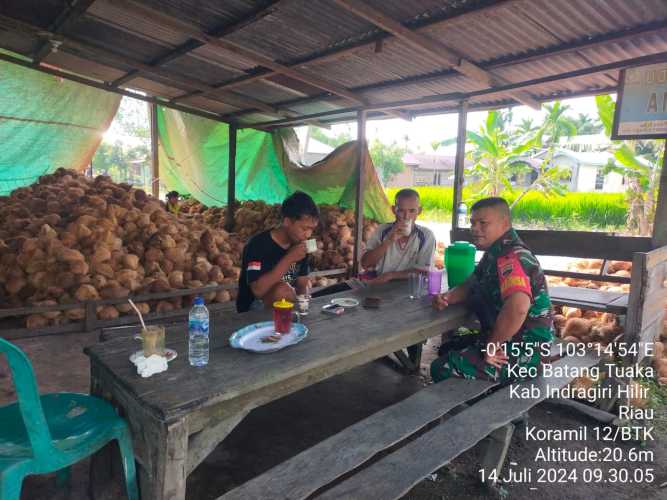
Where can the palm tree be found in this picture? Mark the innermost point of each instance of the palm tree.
(526, 126)
(586, 125)
(555, 126)
(495, 156)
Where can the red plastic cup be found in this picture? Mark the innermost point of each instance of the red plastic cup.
(282, 316)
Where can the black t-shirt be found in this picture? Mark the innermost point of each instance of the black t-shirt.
(260, 255)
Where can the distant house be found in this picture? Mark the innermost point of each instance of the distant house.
(425, 170)
(587, 171)
(587, 155)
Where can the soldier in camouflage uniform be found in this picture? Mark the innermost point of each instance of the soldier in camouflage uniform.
(508, 293)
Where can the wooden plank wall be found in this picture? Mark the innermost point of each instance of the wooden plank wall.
(580, 244)
(648, 296)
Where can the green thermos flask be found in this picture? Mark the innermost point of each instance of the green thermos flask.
(460, 262)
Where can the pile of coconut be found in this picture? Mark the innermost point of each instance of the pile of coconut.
(576, 325)
(593, 266)
(335, 234)
(69, 239)
(660, 358)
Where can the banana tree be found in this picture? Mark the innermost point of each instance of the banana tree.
(495, 158)
(638, 163)
(542, 142)
(550, 179)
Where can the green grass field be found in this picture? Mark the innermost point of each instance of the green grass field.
(600, 211)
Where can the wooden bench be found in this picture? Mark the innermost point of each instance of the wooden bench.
(386, 454)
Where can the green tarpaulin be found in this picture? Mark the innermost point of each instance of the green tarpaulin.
(194, 160)
(47, 122)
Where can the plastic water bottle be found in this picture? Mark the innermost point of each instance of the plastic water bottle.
(198, 333)
(462, 215)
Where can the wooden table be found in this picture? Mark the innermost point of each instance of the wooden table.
(178, 417)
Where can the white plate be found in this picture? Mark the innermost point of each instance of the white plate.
(170, 354)
(250, 337)
(345, 302)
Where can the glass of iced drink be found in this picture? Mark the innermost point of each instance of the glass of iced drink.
(152, 338)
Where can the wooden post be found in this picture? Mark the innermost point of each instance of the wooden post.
(155, 162)
(459, 161)
(359, 202)
(660, 221)
(231, 178)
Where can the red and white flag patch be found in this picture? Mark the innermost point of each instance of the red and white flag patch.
(254, 265)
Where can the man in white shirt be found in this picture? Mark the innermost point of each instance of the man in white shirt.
(398, 248)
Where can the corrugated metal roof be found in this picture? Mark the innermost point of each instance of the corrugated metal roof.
(112, 14)
(209, 104)
(81, 66)
(155, 88)
(297, 28)
(512, 38)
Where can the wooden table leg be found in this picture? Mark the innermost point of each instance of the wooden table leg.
(415, 354)
(166, 479)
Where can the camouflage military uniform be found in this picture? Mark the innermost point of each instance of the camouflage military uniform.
(507, 267)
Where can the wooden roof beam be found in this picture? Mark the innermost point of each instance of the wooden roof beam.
(111, 59)
(193, 44)
(196, 33)
(433, 48)
(67, 18)
(456, 97)
(501, 62)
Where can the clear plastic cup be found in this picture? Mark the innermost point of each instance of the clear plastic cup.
(414, 285)
(152, 338)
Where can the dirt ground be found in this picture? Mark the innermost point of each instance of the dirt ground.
(278, 431)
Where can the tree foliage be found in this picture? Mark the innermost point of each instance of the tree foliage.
(586, 125)
(126, 158)
(387, 158)
(638, 162)
(501, 153)
(338, 140)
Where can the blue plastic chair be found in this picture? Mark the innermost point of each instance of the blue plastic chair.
(39, 435)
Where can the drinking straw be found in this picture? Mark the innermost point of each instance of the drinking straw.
(138, 313)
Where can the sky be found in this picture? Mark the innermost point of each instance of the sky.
(422, 131)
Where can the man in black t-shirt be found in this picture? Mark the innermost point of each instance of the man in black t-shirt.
(274, 265)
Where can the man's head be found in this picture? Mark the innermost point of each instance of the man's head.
(300, 216)
(172, 196)
(489, 220)
(406, 205)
